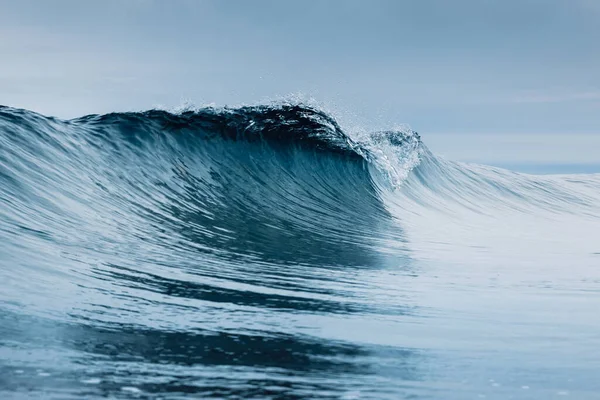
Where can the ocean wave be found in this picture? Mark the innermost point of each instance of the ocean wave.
(209, 241)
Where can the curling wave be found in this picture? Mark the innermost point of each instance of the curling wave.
(203, 248)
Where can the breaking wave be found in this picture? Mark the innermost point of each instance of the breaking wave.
(201, 249)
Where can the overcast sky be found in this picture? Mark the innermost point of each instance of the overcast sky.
(449, 69)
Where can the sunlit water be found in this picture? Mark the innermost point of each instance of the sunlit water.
(264, 253)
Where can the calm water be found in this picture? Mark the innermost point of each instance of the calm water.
(263, 252)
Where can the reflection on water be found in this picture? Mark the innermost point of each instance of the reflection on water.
(104, 361)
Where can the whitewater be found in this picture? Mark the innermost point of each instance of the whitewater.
(265, 252)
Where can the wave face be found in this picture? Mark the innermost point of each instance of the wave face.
(263, 252)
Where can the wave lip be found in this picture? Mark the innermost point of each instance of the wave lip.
(285, 123)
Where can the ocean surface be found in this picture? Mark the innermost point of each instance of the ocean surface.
(265, 253)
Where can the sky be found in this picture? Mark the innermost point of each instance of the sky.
(506, 82)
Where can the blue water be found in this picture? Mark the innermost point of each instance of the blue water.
(264, 252)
